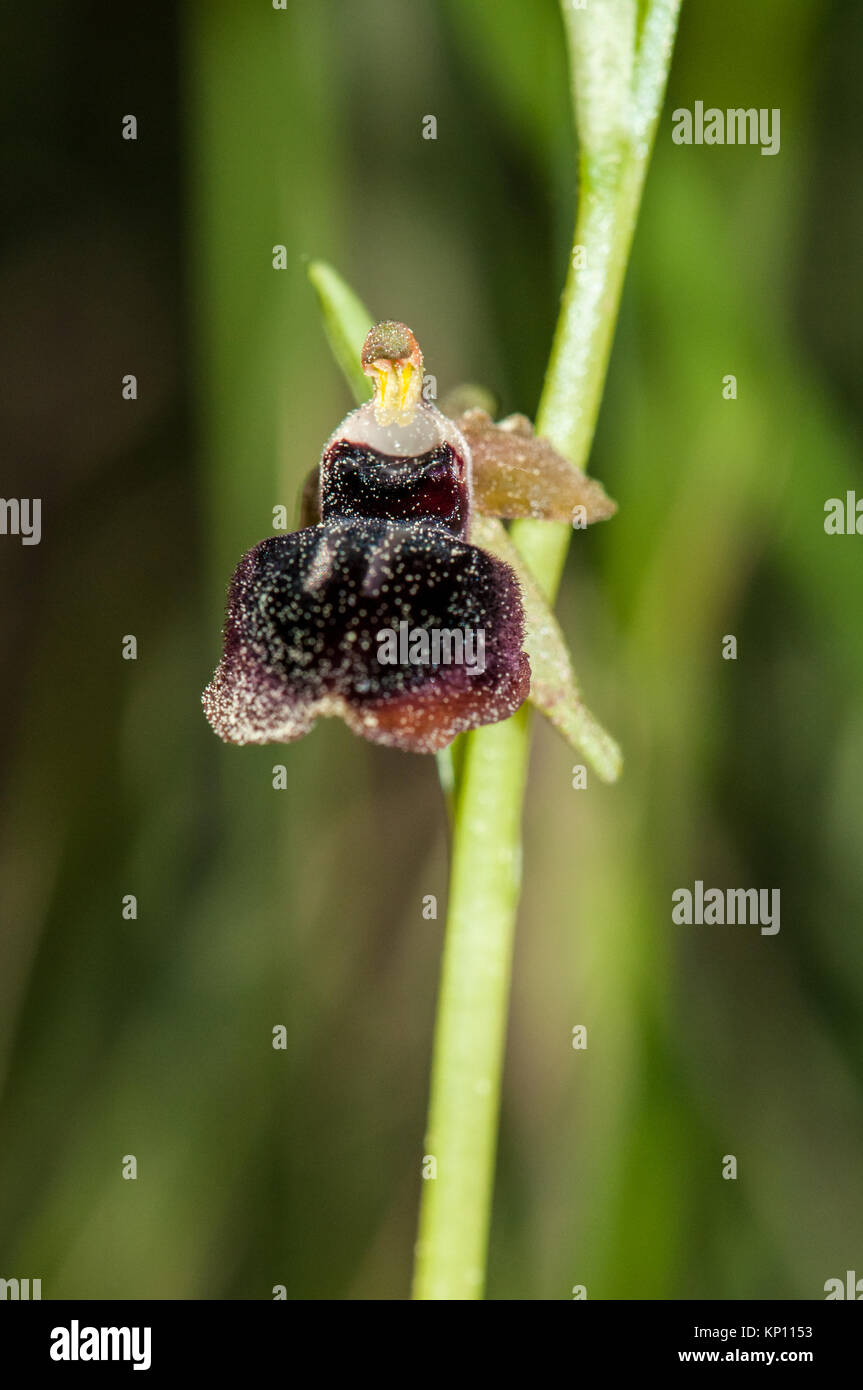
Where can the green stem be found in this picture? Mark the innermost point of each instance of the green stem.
(572, 392)
(616, 122)
(474, 993)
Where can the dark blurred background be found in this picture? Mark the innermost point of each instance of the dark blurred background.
(302, 907)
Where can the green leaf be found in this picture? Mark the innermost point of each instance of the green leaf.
(346, 323)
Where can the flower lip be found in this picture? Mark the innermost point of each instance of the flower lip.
(359, 481)
(304, 612)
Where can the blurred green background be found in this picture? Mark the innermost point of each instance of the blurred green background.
(302, 907)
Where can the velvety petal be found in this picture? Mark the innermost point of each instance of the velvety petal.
(301, 636)
(358, 481)
(416, 470)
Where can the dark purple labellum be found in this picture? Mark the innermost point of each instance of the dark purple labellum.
(357, 480)
(302, 637)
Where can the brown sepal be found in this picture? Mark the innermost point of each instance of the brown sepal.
(518, 474)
